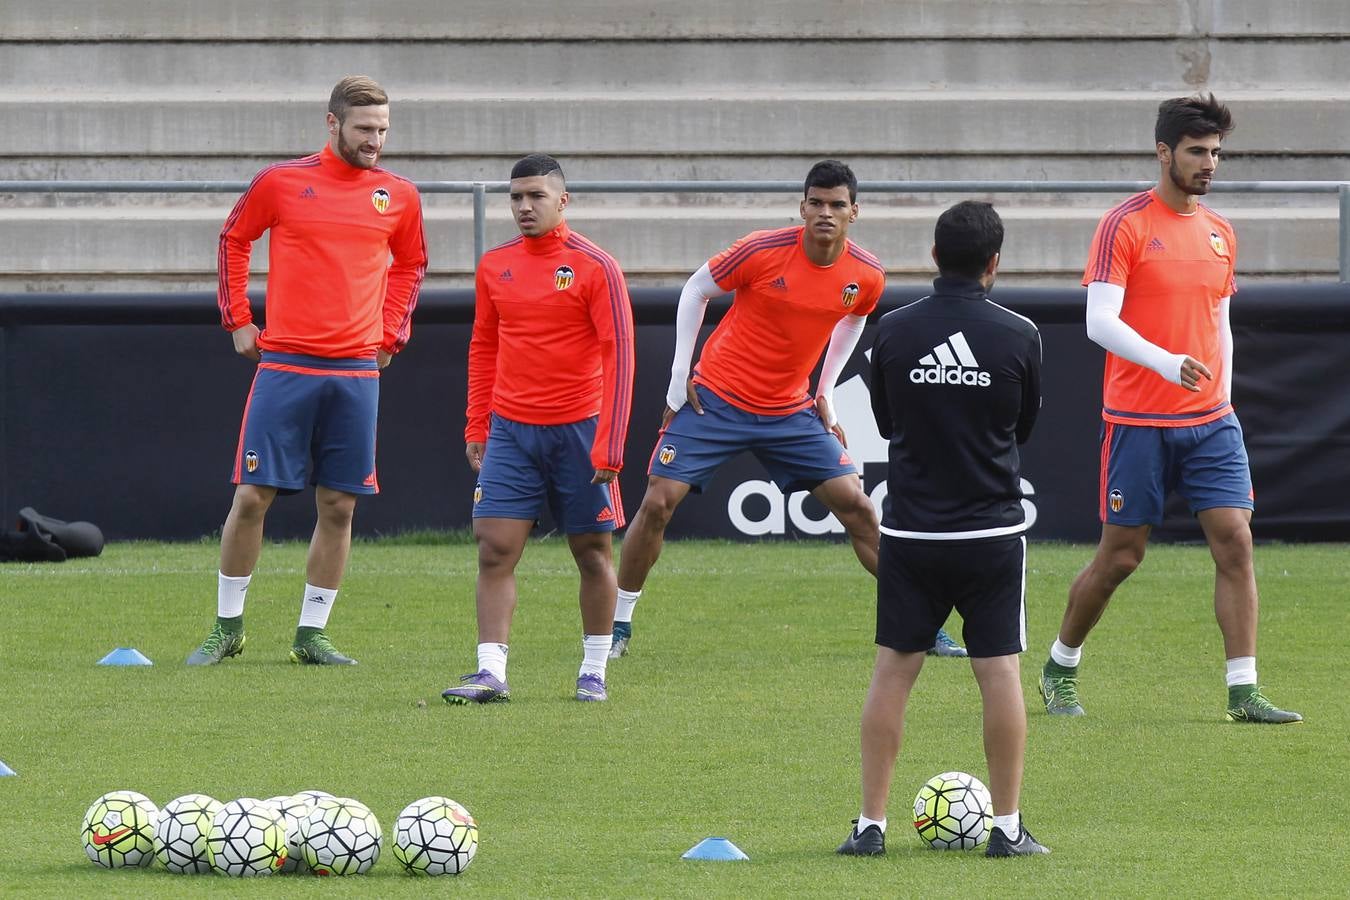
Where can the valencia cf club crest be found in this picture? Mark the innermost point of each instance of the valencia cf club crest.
(380, 198)
(1217, 242)
(251, 460)
(850, 294)
(563, 276)
(477, 493)
(666, 454)
(1116, 500)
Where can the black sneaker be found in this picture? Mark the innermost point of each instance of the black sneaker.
(1025, 845)
(872, 842)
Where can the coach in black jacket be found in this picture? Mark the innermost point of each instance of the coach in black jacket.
(955, 388)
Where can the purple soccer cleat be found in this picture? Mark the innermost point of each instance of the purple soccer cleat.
(479, 687)
(591, 688)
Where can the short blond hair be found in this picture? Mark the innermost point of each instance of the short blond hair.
(355, 90)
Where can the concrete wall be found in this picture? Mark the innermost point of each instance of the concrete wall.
(133, 89)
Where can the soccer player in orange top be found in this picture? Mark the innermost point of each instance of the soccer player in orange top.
(797, 290)
(550, 387)
(338, 310)
(1160, 279)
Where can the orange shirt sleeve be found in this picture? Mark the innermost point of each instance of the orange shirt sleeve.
(408, 245)
(611, 313)
(253, 214)
(483, 347)
(1114, 247)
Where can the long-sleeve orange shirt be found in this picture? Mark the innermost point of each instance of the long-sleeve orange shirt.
(552, 340)
(332, 290)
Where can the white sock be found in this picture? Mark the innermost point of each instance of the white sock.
(596, 650)
(1242, 670)
(318, 603)
(864, 823)
(1065, 656)
(230, 592)
(1011, 823)
(623, 610)
(492, 658)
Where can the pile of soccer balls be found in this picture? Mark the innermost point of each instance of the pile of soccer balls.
(952, 811)
(312, 831)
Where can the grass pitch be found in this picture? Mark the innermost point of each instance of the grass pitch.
(736, 715)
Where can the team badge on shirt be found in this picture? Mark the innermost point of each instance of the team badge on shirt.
(563, 276)
(251, 460)
(850, 294)
(666, 454)
(380, 199)
(1116, 500)
(1217, 242)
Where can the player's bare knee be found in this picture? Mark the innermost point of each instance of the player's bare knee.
(252, 501)
(657, 509)
(593, 562)
(1120, 564)
(335, 509)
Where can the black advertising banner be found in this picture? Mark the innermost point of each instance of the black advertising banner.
(124, 410)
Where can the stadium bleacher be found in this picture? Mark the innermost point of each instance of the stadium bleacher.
(151, 89)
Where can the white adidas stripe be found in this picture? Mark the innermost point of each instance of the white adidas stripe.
(942, 354)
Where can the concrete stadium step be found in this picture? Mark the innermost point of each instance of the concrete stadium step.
(590, 19)
(153, 69)
(57, 246)
(924, 123)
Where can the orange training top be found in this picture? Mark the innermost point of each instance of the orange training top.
(760, 356)
(1175, 269)
(552, 340)
(331, 288)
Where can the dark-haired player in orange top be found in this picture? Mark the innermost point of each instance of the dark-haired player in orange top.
(797, 290)
(550, 387)
(1160, 279)
(338, 310)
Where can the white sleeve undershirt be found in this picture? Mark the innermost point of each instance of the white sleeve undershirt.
(843, 341)
(1226, 346)
(694, 297)
(1104, 327)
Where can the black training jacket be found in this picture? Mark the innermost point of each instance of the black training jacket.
(956, 386)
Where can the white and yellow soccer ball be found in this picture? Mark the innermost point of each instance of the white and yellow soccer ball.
(435, 836)
(952, 811)
(340, 836)
(119, 830)
(247, 838)
(180, 833)
(293, 811)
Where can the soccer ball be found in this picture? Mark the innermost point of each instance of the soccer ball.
(119, 830)
(247, 838)
(435, 836)
(340, 836)
(293, 810)
(312, 797)
(181, 830)
(952, 811)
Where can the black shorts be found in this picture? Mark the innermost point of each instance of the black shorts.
(920, 582)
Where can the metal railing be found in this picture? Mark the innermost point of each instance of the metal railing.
(480, 189)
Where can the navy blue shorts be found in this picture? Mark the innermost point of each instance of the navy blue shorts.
(1142, 464)
(526, 466)
(310, 420)
(919, 583)
(798, 451)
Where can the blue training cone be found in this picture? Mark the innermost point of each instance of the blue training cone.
(125, 656)
(717, 848)
(6, 770)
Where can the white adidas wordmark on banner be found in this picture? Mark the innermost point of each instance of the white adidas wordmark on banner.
(951, 362)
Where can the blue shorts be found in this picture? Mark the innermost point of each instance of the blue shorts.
(525, 466)
(309, 409)
(797, 449)
(1142, 464)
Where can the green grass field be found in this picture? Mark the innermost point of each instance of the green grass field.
(736, 715)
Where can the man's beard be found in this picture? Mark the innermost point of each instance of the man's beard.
(351, 154)
(1197, 189)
